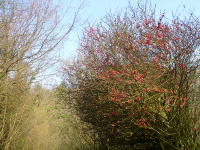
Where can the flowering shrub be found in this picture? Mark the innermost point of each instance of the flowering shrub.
(135, 77)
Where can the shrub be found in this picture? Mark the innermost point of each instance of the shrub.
(133, 79)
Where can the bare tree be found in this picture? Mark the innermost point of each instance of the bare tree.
(31, 32)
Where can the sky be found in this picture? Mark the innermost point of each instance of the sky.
(94, 10)
(98, 8)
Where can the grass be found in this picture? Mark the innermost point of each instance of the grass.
(50, 126)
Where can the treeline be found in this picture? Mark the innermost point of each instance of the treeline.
(134, 81)
(30, 35)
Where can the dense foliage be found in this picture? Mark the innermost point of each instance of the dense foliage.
(134, 78)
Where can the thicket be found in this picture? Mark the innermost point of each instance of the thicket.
(134, 81)
(31, 32)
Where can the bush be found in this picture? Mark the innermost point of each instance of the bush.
(133, 80)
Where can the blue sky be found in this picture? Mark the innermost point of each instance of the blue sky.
(94, 10)
(98, 8)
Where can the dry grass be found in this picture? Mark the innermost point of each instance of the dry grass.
(50, 126)
(41, 128)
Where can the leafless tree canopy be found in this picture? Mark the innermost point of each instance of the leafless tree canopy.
(31, 32)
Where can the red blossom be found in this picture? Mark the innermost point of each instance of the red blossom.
(114, 113)
(181, 65)
(133, 72)
(165, 44)
(182, 104)
(166, 91)
(159, 35)
(139, 77)
(148, 21)
(102, 76)
(185, 99)
(114, 73)
(133, 44)
(91, 32)
(128, 101)
(148, 41)
(114, 99)
(195, 129)
(159, 27)
(127, 65)
(149, 36)
(155, 60)
(144, 90)
(175, 39)
(138, 98)
(123, 70)
(142, 123)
